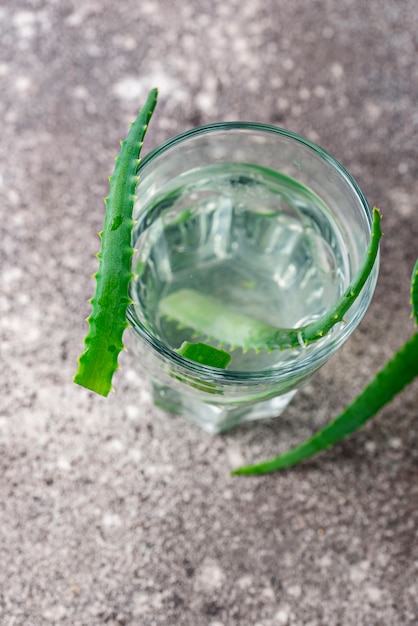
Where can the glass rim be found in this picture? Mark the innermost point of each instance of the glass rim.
(328, 344)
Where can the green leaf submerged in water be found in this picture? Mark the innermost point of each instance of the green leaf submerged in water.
(205, 354)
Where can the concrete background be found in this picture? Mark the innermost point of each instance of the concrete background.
(112, 512)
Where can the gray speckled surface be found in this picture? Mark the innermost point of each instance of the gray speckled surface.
(112, 512)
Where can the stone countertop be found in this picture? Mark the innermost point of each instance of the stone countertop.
(111, 511)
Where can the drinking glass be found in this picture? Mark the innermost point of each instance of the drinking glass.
(239, 225)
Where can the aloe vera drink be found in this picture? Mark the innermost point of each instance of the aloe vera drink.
(241, 226)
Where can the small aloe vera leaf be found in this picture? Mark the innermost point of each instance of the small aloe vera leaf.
(107, 321)
(205, 354)
(396, 374)
(207, 316)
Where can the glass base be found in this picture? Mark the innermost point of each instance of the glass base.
(215, 418)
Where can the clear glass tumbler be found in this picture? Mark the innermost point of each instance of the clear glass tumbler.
(241, 229)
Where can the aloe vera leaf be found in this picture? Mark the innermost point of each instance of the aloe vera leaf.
(207, 316)
(389, 381)
(323, 325)
(205, 354)
(107, 320)
(395, 375)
